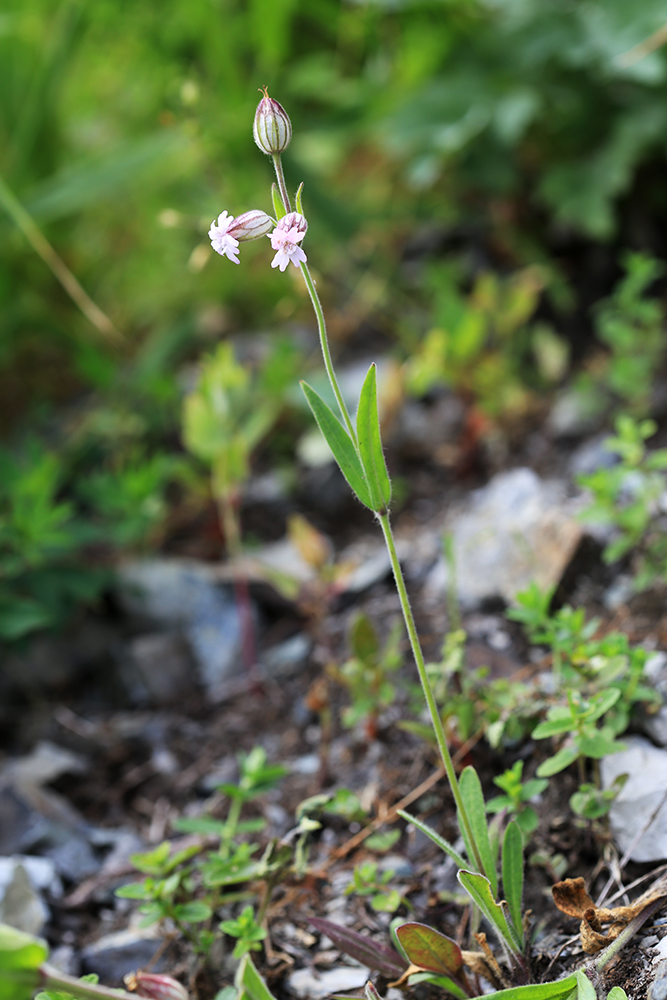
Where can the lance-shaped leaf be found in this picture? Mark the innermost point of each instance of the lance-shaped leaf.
(479, 890)
(443, 844)
(249, 983)
(566, 988)
(360, 946)
(370, 443)
(429, 949)
(278, 206)
(473, 799)
(297, 199)
(341, 445)
(513, 874)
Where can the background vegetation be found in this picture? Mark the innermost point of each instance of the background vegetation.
(498, 134)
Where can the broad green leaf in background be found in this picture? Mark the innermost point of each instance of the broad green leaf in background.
(21, 955)
(341, 445)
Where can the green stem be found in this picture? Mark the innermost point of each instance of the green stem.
(59, 982)
(436, 721)
(326, 353)
(280, 177)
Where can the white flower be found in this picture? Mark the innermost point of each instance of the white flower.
(286, 242)
(221, 240)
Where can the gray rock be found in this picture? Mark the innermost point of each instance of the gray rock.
(591, 456)
(157, 668)
(308, 985)
(574, 414)
(21, 902)
(516, 530)
(114, 955)
(289, 657)
(643, 794)
(183, 594)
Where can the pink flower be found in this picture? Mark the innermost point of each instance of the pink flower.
(221, 239)
(285, 238)
(155, 987)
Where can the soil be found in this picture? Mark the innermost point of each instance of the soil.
(298, 717)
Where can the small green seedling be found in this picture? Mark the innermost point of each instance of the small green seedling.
(366, 673)
(185, 886)
(246, 930)
(516, 800)
(368, 881)
(626, 497)
(578, 722)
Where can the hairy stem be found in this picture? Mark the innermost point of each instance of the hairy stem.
(436, 721)
(326, 353)
(280, 177)
(57, 981)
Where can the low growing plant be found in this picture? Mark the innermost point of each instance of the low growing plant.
(628, 498)
(189, 886)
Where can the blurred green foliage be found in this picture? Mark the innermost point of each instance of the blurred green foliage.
(125, 128)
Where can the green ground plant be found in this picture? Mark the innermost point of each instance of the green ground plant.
(482, 343)
(630, 323)
(367, 674)
(628, 499)
(189, 886)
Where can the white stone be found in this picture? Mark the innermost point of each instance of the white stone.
(310, 986)
(516, 530)
(644, 790)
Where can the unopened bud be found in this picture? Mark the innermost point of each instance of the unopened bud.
(272, 129)
(145, 984)
(251, 225)
(293, 220)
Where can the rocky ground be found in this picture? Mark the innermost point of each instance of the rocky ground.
(136, 715)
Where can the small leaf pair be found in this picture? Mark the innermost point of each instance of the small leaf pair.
(361, 461)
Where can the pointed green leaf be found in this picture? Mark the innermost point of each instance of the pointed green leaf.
(479, 889)
(429, 949)
(439, 841)
(513, 874)
(552, 765)
(278, 206)
(250, 983)
(586, 990)
(370, 443)
(341, 445)
(297, 199)
(473, 798)
(538, 991)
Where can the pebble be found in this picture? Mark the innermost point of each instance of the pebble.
(309, 985)
(642, 794)
(516, 530)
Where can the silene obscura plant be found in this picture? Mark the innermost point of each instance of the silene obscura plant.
(492, 858)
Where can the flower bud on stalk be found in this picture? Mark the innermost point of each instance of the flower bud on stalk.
(145, 984)
(272, 129)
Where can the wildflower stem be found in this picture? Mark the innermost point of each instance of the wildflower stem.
(280, 177)
(436, 721)
(326, 353)
(54, 980)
